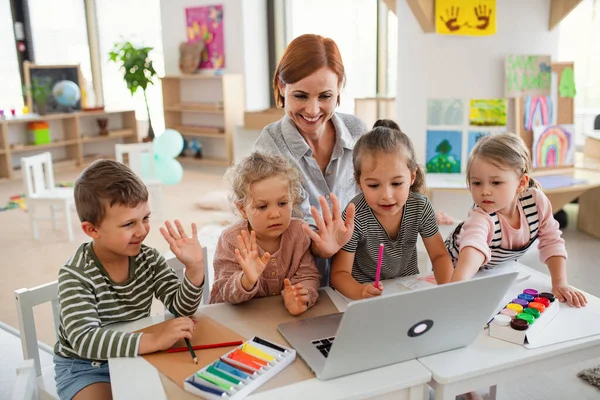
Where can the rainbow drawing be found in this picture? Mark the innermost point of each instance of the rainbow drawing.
(553, 145)
(538, 111)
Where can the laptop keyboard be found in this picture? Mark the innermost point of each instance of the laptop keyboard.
(324, 345)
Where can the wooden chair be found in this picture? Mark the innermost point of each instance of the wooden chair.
(38, 177)
(26, 387)
(140, 156)
(26, 300)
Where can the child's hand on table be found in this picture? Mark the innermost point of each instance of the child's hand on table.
(188, 250)
(165, 334)
(564, 292)
(247, 256)
(295, 297)
(369, 290)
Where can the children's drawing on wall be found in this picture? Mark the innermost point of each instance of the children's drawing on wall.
(538, 111)
(487, 112)
(445, 112)
(465, 17)
(528, 75)
(553, 145)
(206, 24)
(566, 87)
(473, 137)
(443, 149)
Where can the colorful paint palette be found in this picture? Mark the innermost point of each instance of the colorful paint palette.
(241, 371)
(529, 312)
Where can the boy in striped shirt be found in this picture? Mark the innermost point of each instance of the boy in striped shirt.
(114, 278)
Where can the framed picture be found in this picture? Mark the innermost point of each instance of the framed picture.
(53, 74)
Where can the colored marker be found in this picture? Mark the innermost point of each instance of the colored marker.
(268, 344)
(379, 262)
(205, 388)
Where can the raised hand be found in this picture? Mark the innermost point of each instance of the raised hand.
(247, 256)
(564, 292)
(295, 297)
(333, 231)
(451, 22)
(188, 250)
(483, 15)
(369, 290)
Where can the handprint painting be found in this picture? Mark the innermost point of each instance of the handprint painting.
(443, 151)
(465, 17)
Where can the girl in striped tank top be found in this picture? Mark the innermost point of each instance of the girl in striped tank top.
(509, 215)
(391, 210)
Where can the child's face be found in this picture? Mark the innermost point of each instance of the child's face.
(123, 229)
(269, 211)
(311, 101)
(495, 189)
(385, 181)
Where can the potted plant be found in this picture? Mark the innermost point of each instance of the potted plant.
(138, 71)
(40, 90)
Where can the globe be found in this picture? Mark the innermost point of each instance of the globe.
(66, 93)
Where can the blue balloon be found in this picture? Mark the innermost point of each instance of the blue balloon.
(169, 144)
(168, 170)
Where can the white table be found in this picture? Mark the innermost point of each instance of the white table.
(136, 378)
(489, 361)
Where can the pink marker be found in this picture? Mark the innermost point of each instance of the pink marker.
(379, 261)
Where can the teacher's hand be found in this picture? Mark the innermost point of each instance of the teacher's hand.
(332, 231)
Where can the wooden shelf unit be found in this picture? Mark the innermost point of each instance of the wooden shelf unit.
(77, 129)
(206, 108)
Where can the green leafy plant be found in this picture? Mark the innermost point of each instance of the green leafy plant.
(138, 71)
(40, 90)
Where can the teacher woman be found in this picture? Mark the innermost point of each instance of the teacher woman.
(315, 138)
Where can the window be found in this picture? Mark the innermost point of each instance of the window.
(59, 33)
(352, 24)
(11, 95)
(580, 42)
(116, 25)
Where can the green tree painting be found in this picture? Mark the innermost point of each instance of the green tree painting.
(443, 151)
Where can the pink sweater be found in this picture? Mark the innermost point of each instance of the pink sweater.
(478, 231)
(293, 260)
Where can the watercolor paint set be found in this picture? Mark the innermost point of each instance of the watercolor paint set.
(523, 320)
(239, 372)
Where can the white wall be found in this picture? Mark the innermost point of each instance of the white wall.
(245, 41)
(436, 66)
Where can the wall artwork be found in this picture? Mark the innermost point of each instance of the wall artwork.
(553, 145)
(473, 137)
(487, 112)
(538, 111)
(445, 112)
(206, 23)
(443, 151)
(527, 75)
(465, 17)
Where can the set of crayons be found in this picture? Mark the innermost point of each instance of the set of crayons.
(242, 370)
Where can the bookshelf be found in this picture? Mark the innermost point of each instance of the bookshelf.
(206, 108)
(75, 138)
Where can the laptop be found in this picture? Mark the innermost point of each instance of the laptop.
(398, 327)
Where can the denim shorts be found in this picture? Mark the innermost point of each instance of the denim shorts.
(72, 375)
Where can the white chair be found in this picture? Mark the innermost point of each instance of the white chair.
(26, 382)
(139, 154)
(38, 177)
(179, 269)
(26, 300)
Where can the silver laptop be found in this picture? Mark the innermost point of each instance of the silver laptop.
(397, 327)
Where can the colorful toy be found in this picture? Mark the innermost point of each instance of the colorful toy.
(39, 132)
(525, 317)
(17, 201)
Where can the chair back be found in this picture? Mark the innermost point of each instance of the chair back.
(26, 300)
(26, 387)
(140, 158)
(38, 175)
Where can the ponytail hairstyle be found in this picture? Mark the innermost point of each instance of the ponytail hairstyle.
(506, 151)
(387, 137)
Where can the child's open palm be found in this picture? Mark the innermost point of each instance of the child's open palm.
(247, 256)
(333, 232)
(188, 250)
